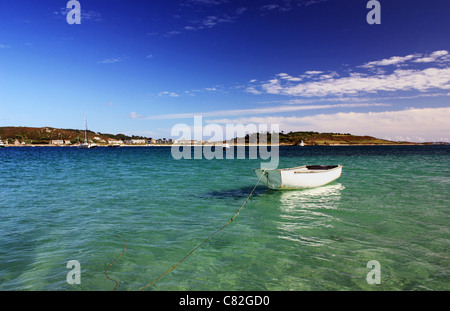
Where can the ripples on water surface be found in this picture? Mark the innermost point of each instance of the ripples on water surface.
(391, 204)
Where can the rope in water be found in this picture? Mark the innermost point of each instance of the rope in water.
(123, 251)
(205, 240)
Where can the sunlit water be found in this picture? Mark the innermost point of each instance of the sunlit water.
(391, 204)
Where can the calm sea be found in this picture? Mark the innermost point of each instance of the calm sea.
(391, 204)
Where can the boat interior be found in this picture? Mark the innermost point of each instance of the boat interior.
(320, 167)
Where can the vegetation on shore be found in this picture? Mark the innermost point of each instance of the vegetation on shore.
(315, 138)
(43, 136)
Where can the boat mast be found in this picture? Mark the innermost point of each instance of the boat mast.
(85, 129)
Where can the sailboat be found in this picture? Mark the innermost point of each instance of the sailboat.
(2, 145)
(301, 143)
(86, 144)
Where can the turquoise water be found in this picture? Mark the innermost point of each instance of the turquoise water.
(391, 204)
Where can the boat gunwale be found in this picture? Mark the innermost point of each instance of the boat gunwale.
(299, 167)
(309, 171)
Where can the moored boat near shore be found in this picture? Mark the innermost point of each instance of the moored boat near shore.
(86, 144)
(302, 177)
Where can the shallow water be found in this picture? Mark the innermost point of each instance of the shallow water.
(391, 204)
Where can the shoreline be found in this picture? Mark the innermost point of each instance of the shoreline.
(235, 145)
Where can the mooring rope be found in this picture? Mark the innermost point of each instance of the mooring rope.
(209, 237)
(123, 251)
(193, 250)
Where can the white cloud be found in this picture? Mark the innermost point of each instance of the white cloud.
(311, 2)
(435, 56)
(172, 33)
(211, 21)
(283, 6)
(91, 15)
(4, 46)
(287, 77)
(427, 124)
(266, 110)
(134, 115)
(438, 54)
(194, 92)
(86, 15)
(363, 99)
(416, 58)
(316, 83)
(269, 7)
(287, 5)
(425, 60)
(253, 90)
(394, 60)
(322, 77)
(399, 80)
(273, 86)
(313, 72)
(110, 60)
(166, 93)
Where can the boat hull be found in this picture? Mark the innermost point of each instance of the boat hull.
(87, 146)
(302, 177)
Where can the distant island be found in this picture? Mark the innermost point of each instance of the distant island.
(12, 135)
(48, 136)
(310, 138)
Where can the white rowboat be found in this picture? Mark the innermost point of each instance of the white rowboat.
(308, 176)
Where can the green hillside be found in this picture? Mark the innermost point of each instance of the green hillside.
(43, 135)
(315, 138)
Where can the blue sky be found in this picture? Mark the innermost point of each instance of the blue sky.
(140, 67)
